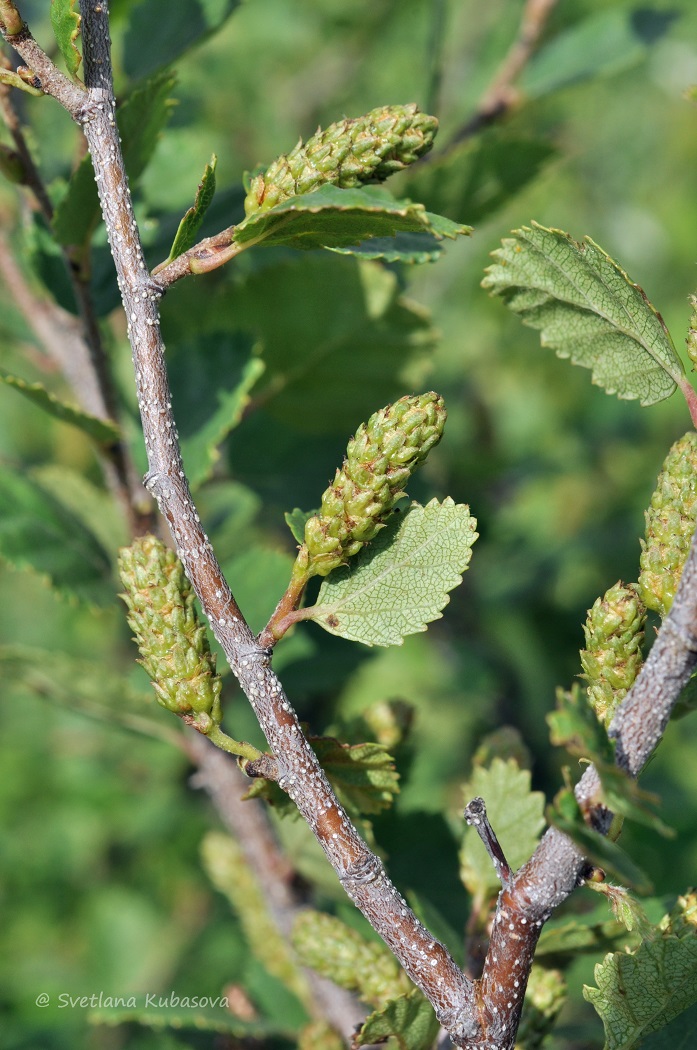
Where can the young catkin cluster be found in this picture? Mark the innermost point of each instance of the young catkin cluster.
(670, 523)
(172, 642)
(612, 658)
(380, 459)
(346, 154)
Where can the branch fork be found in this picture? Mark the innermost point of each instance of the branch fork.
(481, 1015)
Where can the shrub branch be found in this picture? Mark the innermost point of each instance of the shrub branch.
(481, 1015)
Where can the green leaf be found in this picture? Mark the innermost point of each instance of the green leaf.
(687, 701)
(566, 815)
(259, 575)
(155, 39)
(295, 520)
(10, 79)
(516, 814)
(65, 22)
(95, 507)
(402, 248)
(479, 176)
(104, 432)
(47, 261)
(574, 726)
(641, 992)
(588, 310)
(140, 118)
(229, 871)
(569, 938)
(211, 378)
(605, 43)
(200, 451)
(680, 1034)
(336, 218)
(334, 950)
(399, 583)
(83, 687)
(351, 350)
(38, 533)
(410, 1019)
(363, 775)
(191, 223)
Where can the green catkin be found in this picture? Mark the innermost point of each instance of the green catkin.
(670, 523)
(172, 642)
(346, 154)
(546, 994)
(334, 950)
(612, 658)
(380, 459)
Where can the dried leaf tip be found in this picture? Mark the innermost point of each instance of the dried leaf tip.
(475, 815)
(172, 642)
(346, 154)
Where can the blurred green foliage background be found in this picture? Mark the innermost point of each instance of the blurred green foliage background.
(101, 882)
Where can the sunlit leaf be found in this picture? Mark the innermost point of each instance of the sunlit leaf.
(515, 813)
(337, 952)
(409, 1019)
(587, 310)
(295, 520)
(65, 22)
(644, 990)
(191, 223)
(399, 583)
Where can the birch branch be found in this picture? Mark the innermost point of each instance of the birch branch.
(223, 781)
(479, 1015)
(360, 872)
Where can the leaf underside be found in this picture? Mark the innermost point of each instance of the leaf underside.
(641, 992)
(588, 310)
(399, 583)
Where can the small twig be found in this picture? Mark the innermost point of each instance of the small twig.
(501, 95)
(475, 815)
